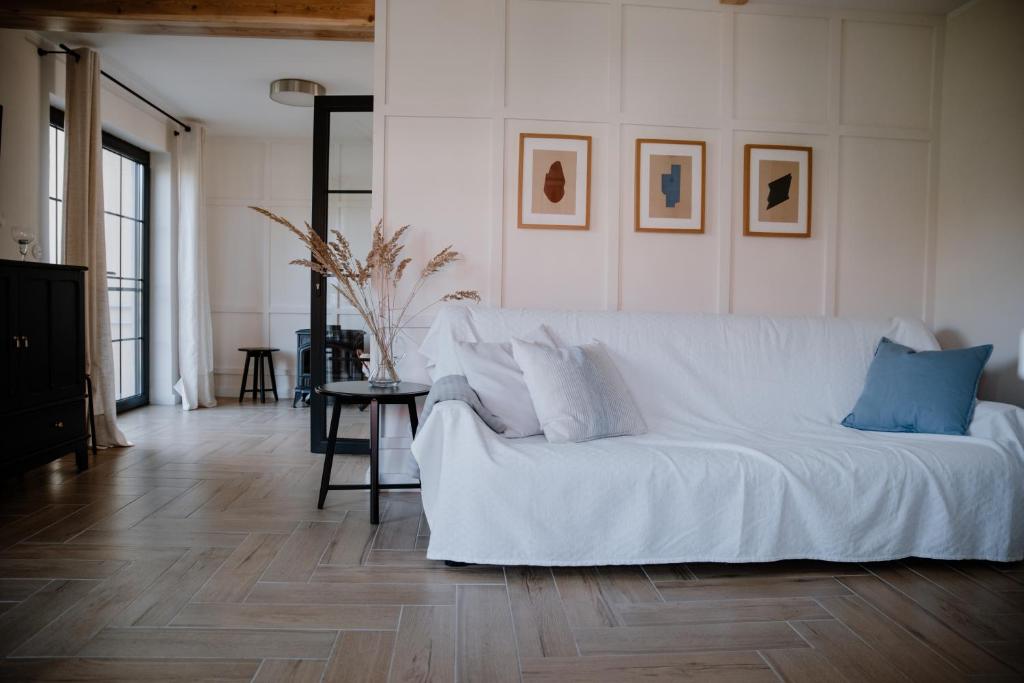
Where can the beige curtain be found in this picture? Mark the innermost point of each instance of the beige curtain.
(84, 233)
(195, 324)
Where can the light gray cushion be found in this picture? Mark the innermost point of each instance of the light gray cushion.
(577, 392)
(498, 381)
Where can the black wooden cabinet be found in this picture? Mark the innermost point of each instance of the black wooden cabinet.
(42, 364)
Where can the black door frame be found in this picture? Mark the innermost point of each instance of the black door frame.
(323, 107)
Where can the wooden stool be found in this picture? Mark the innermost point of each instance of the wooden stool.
(259, 378)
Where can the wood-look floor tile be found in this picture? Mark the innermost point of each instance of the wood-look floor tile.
(803, 665)
(784, 568)
(77, 522)
(721, 611)
(707, 667)
(175, 587)
(290, 671)
(16, 590)
(351, 594)
(25, 619)
(965, 655)
(582, 597)
(629, 640)
(902, 650)
(847, 653)
(541, 626)
(301, 553)
(224, 643)
(751, 587)
(84, 670)
(162, 539)
(57, 568)
(1000, 582)
(237, 576)
(425, 645)
(136, 511)
(29, 525)
(439, 575)
(361, 657)
(959, 615)
(65, 635)
(400, 558)
(52, 551)
(399, 525)
(486, 640)
(363, 617)
(669, 572)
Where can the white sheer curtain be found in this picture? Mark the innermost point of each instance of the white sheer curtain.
(195, 325)
(84, 233)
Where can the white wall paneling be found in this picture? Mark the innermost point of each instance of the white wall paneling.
(859, 87)
(257, 297)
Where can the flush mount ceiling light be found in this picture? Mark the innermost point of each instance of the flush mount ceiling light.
(295, 92)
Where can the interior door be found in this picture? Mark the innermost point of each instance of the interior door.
(342, 170)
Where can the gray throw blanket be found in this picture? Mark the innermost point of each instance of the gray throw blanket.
(456, 388)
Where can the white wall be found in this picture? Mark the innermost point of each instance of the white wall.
(22, 139)
(257, 297)
(861, 89)
(979, 294)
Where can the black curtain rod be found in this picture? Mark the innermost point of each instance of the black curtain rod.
(65, 50)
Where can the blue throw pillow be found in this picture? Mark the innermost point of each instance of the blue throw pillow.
(928, 392)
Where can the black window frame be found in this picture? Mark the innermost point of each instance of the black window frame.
(140, 156)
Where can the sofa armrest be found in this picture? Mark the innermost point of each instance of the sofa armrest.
(999, 422)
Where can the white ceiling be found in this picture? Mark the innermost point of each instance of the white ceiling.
(224, 82)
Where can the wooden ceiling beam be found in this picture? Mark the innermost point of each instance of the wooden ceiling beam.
(306, 19)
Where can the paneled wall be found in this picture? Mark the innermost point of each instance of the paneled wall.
(861, 89)
(257, 298)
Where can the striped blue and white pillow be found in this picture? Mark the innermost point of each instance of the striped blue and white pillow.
(577, 392)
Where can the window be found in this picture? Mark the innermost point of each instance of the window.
(126, 215)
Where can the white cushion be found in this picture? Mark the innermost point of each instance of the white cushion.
(577, 392)
(496, 378)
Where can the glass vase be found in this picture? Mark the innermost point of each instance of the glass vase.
(385, 370)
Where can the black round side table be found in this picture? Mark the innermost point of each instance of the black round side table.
(259, 377)
(360, 392)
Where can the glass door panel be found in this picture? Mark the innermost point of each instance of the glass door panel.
(342, 172)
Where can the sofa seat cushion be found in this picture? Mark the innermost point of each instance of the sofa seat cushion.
(716, 494)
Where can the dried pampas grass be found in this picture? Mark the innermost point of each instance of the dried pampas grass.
(371, 286)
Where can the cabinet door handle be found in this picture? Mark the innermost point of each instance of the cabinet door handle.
(24, 342)
(17, 342)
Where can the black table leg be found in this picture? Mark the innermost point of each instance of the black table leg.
(332, 440)
(414, 420)
(245, 374)
(374, 461)
(263, 377)
(273, 377)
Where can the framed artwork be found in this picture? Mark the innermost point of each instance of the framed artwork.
(554, 181)
(777, 191)
(669, 186)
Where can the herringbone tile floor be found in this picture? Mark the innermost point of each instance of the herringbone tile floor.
(199, 555)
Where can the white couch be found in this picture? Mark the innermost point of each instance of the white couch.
(745, 460)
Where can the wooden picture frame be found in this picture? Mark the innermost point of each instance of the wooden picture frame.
(567, 179)
(683, 213)
(782, 206)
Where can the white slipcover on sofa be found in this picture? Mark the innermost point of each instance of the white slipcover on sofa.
(745, 460)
